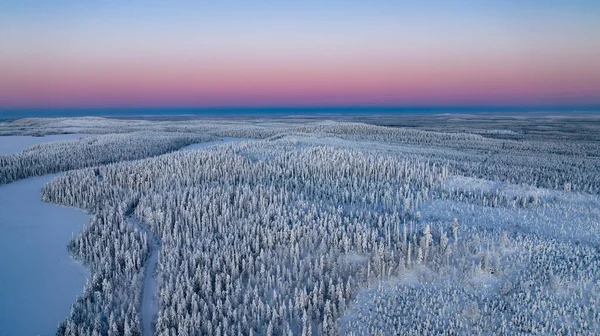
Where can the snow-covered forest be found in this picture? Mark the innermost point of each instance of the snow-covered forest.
(53, 157)
(325, 228)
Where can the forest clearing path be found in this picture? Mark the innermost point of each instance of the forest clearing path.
(149, 308)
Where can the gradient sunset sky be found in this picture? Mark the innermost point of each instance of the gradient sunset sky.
(315, 53)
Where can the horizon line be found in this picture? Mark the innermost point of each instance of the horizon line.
(305, 107)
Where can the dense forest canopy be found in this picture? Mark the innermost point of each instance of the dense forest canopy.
(325, 228)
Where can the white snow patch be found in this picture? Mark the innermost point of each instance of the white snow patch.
(500, 132)
(562, 215)
(149, 309)
(203, 145)
(477, 185)
(355, 258)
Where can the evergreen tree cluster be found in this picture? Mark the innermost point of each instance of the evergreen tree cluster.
(59, 156)
(324, 228)
(291, 235)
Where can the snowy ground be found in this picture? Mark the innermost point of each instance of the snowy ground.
(15, 143)
(149, 308)
(560, 215)
(39, 280)
(547, 256)
(203, 145)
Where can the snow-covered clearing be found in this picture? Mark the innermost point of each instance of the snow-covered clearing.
(208, 144)
(510, 264)
(559, 215)
(10, 144)
(39, 280)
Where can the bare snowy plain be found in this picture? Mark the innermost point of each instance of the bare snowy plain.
(452, 225)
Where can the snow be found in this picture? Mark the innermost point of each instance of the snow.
(562, 215)
(355, 258)
(149, 308)
(203, 145)
(501, 132)
(478, 185)
(39, 279)
(545, 256)
(15, 143)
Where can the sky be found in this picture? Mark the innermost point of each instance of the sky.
(73, 53)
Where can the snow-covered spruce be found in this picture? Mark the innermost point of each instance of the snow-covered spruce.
(291, 235)
(61, 156)
(245, 235)
(559, 163)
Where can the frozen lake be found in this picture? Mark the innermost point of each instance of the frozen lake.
(16, 143)
(39, 280)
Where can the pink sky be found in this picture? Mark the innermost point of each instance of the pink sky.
(266, 82)
(486, 57)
